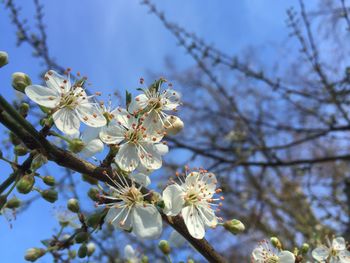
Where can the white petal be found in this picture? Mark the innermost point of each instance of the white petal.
(147, 222)
(140, 102)
(192, 178)
(210, 180)
(173, 200)
(57, 82)
(129, 252)
(123, 117)
(170, 99)
(286, 257)
(46, 97)
(162, 148)
(127, 158)
(154, 126)
(320, 253)
(117, 215)
(338, 243)
(176, 240)
(193, 222)
(92, 147)
(141, 179)
(90, 133)
(259, 255)
(66, 121)
(208, 216)
(112, 133)
(344, 256)
(91, 115)
(149, 156)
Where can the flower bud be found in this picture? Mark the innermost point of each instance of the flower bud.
(234, 226)
(33, 254)
(94, 220)
(81, 237)
(164, 247)
(89, 179)
(76, 145)
(13, 203)
(4, 58)
(173, 125)
(305, 248)
(276, 242)
(73, 205)
(82, 252)
(20, 150)
(23, 109)
(25, 184)
(50, 195)
(144, 259)
(20, 81)
(93, 193)
(49, 180)
(90, 249)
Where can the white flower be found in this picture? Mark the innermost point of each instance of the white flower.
(70, 104)
(88, 142)
(264, 253)
(334, 253)
(140, 178)
(194, 199)
(131, 255)
(129, 211)
(137, 145)
(153, 103)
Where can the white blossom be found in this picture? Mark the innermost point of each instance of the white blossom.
(69, 104)
(137, 145)
(264, 253)
(129, 211)
(194, 199)
(335, 252)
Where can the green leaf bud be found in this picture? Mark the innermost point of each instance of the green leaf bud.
(20, 150)
(73, 205)
(20, 81)
(81, 237)
(82, 252)
(50, 195)
(25, 184)
(305, 248)
(93, 193)
(164, 247)
(4, 58)
(49, 180)
(33, 254)
(276, 242)
(23, 109)
(234, 226)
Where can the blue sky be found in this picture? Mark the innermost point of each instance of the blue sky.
(114, 44)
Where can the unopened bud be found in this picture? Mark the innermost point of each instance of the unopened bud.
(173, 125)
(50, 195)
(76, 145)
(25, 184)
(89, 179)
(234, 226)
(81, 237)
(276, 242)
(4, 58)
(93, 193)
(305, 248)
(20, 81)
(33, 254)
(20, 150)
(164, 247)
(23, 109)
(73, 205)
(13, 203)
(144, 259)
(82, 252)
(49, 180)
(94, 220)
(90, 249)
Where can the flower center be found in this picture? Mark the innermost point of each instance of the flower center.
(132, 196)
(333, 252)
(155, 103)
(272, 259)
(71, 99)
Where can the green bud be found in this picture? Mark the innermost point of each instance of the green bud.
(305, 248)
(73, 205)
(25, 184)
(90, 249)
(13, 203)
(4, 58)
(20, 150)
(89, 179)
(23, 109)
(94, 220)
(20, 81)
(82, 252)
(33, 254)
(14, 139)
(234, 226)
(49, 180)
(50, 195)
(164, 247)
(81, 237)
(190, 260)
(93, 193)
(3, 199)
(144, 259)
(72, 254)
(276, 242)
(76, 145)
